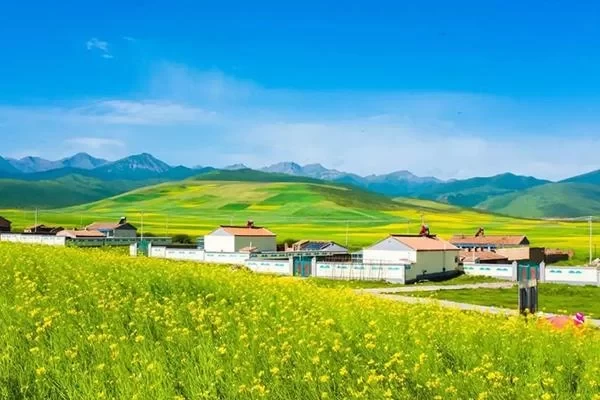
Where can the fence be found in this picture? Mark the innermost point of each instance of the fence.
(572, 275)
(52, 240)
(500, 271)
(330, 270)
(47, 240)
(360, 271)
(280, 267)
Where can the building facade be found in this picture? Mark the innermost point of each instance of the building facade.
(232, 239)
(5, 225)
(423, 255)
(121, 229)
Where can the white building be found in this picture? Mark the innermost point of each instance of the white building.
(426, 255)
(317, 245)
(232, 239)
(121, 229)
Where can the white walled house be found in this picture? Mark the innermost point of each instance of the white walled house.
(232, 239)
(426, 255)
(121, 229)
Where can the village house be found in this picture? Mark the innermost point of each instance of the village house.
(513, 247)
(121, 229)
(81, 234)
(43, 229)
(423, 255)
(5, 225)
(317, 245)
(475, 256)
(232, 239)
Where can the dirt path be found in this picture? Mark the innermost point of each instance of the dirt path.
(434, 288)
(389, 294)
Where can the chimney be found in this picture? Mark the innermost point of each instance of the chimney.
(123, 220)
(250, 224)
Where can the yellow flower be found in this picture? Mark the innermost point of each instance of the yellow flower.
(275, 371)
(343, 371)
(139, 339)
(40, 371)
(324, 379)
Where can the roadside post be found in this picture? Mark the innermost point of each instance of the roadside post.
(528, 276)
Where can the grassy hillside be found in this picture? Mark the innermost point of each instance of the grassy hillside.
(551, 200)
(473, 191)
(298, 210)
(65, 191)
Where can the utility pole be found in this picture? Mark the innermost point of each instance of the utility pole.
(408, 226)
(142, 237)
(590, 222)
(347, 227)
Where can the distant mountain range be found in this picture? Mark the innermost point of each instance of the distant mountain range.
(505, 193)
(36, 164)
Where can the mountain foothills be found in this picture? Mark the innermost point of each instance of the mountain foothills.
(36, 182)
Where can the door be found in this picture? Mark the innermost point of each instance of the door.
(302, 266)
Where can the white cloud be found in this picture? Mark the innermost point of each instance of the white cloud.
(95, 143)
(206, 117)
(100, 45)
(129, 39)
(126, 112)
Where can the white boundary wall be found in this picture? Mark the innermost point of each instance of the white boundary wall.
(549, 274)
(500, 271)
(387, 272)
(577, 275)
(47, 240)
(280, 267)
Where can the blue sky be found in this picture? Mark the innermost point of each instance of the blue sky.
(452, 89)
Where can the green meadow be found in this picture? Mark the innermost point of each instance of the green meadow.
(553, 298)
(298, 210)
(92, 324)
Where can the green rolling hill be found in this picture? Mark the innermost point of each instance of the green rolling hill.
(61, 192)
(565, 199)
(295, 208)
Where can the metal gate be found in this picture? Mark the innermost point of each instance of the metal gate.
(143, 247)
(302, 266)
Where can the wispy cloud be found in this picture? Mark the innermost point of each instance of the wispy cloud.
(95, 143)
(95, 44)
(129, 39)
(209, 118)
(126, 112)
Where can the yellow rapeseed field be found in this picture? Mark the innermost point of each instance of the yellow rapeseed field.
(91, 324)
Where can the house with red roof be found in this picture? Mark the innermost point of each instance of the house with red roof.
(233, 239)
(423, 255)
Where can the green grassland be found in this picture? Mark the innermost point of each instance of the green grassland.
(298, 210)
(553, 298)
(91, 324)
(556, 199)
(61, 192)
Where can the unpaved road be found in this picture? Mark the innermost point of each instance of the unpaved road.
(390, 294)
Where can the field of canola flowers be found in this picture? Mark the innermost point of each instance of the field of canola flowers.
(87, 324)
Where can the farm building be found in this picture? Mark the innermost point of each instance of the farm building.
(43, 229)
(81, 234)
(514, 247)
(482, 257)
(424, 255)
(317, 245)
(121, 229)
(232, 239)
(4, 225)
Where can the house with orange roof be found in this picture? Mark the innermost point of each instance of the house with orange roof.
(234, 239)
(121, 229)
(424, 255)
